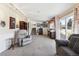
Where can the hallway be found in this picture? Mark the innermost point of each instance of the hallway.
(40, 46)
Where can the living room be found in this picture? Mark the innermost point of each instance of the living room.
(38, 28)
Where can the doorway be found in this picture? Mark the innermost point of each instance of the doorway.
(33, 31)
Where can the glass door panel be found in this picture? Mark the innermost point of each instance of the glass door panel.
(66, 27)
(69, 26)
(62, 29)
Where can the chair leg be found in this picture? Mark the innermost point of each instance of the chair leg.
(21, 42)
(12, 44)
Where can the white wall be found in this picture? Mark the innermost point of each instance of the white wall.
(7, 11)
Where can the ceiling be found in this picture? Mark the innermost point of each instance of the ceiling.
(42, 11)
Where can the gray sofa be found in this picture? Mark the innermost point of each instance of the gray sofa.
(68, 47)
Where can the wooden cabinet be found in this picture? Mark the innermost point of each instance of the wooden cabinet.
(40, 31)
(52, 35)
(22, 25)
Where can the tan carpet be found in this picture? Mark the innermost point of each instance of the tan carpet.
(40, 46)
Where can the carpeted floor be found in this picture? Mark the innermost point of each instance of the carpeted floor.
(40, 46)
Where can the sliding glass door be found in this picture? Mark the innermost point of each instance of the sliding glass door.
(62, 29)
(66, 27)
(69, 26)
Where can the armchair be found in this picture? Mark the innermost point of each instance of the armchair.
(24, 38)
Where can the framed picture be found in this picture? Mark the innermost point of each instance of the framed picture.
(12, 23)
(2, 23)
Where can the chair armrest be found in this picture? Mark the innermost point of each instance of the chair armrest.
(28, 36)
(62, 42)
(65, 51)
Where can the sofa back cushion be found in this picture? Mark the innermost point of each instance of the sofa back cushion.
(72, 42)
(73, 35)
(22, 33)
(76, 46)
(72, 39)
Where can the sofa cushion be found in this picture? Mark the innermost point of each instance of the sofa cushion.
(62, 42)
(76, 46)
(65, 51)
(72, 42)
(73, 35)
